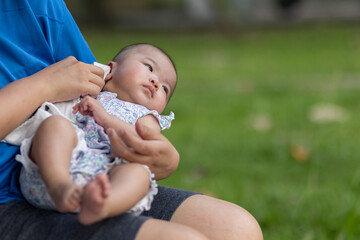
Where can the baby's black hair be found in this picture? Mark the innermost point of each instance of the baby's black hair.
(122, 53)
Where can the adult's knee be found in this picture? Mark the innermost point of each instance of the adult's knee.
(246, 224)
(217, 218)
(162, 230)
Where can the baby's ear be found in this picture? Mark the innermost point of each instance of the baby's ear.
(109, 76)
(111, 64)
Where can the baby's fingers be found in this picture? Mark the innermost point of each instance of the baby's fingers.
(75, 108)
(118, 147)
(81, 108)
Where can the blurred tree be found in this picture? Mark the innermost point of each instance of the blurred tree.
(285, 4)
(240, 10)
(97, 12)
(200, 10)
(287, 8)
(89, 12)
(159, 4)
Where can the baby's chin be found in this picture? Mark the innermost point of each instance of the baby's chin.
(156, 108)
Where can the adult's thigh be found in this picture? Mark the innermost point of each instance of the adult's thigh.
(19, 220)
(166, 202)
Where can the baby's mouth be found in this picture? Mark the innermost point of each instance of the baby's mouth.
(150, 90)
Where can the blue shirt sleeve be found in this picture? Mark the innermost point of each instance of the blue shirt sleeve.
(33, 35)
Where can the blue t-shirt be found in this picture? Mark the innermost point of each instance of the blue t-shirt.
(33, 35)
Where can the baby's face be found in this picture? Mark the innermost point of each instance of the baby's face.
(146, 77)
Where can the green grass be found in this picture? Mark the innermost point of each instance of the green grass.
(242, 105)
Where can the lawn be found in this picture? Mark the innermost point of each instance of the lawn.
(267, 119)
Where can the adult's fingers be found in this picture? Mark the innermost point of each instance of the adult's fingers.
(140, 145)
(96, 80)
(120, 148)
(97, 70)
(91, 90)
(161, 163)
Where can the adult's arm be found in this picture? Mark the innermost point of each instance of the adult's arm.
(147, 147)
(61, 81)
(142, 143)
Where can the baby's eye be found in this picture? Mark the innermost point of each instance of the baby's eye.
(166, 90)
(149, 67)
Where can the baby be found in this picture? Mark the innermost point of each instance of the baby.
(65, 152)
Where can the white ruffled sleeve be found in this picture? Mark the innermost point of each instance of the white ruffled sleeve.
(164, 120)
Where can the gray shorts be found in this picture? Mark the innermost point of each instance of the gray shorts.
(19, 220)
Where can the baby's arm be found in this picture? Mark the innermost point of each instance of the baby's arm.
(92, 107)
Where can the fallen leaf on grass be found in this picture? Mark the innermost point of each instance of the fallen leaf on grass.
(300, 153)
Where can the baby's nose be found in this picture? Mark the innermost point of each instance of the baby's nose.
(155, 83)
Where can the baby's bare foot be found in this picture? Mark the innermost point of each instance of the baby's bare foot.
(67, 197)
(93, 201)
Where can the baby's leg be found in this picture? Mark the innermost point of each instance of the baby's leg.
(51, 150)
(129, 183)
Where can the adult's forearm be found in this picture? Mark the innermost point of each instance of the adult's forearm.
(62, 81)
(167, 163)
(18, 100)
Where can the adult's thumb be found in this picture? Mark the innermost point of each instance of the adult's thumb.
(145, 132)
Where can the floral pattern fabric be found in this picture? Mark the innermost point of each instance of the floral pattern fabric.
(92, 155)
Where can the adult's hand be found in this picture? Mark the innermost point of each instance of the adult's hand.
(148, 147)
(64, 80)
(70, 78)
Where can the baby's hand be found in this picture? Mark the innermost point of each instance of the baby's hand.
(86, 106)
(91, 107)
